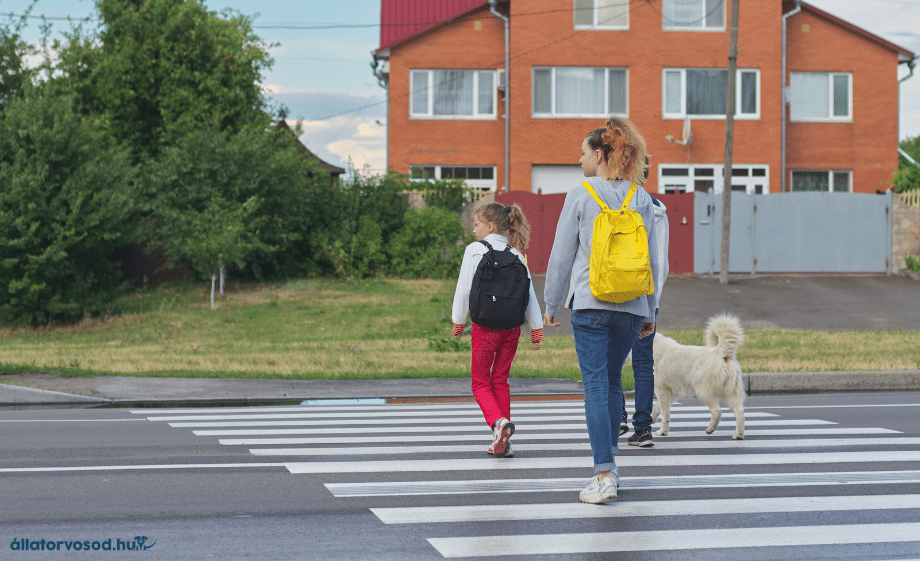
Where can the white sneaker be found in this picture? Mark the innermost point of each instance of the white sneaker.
(503, 431)
(599, 492)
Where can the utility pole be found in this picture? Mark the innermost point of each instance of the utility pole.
(729, 140)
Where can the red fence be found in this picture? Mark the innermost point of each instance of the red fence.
(542, 211)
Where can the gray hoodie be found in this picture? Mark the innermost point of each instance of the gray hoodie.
(572, 250)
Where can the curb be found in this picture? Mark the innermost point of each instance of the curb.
(832, 382)
(22, 395)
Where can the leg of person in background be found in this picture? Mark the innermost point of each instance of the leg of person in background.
(644, 373)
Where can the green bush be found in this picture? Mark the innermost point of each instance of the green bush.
(448, 344)
(912, 263)
(66, 204)
(430, 244)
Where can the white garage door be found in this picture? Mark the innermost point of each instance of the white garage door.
(547, 179)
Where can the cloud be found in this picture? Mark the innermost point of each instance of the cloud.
(322, 105)
(348, 142)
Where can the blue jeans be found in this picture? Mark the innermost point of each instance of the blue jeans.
(603, 338)
(643, 362)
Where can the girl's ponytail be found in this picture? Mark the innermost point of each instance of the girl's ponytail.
(518, 228)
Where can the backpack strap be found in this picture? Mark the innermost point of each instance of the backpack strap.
(632, 191)
(590, 190)
(486, 244)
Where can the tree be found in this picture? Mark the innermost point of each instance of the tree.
(232, 168)
(907, 178)
(209, 240)
(161, 69)
(14, 75)
(65, 205)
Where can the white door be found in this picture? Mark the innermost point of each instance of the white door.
(549, 179)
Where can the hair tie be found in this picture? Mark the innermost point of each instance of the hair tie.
(508, 209)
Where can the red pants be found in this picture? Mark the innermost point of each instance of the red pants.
(493, 351)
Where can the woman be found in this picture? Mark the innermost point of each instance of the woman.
(604, 331)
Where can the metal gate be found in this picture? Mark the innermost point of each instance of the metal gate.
(795, 233)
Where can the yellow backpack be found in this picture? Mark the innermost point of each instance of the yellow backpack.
(620, 267)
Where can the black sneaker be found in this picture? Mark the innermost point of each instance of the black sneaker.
(642, 437)
(624, 428)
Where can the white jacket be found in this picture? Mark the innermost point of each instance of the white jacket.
(471, 258)
(661, 231)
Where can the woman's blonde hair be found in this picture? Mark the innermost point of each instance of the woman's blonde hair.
(509, 219)
(624, 149)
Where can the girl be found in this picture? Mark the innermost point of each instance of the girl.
(493, 350)
(604, 331)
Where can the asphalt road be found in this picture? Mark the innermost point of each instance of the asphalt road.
(817, 477)
(813, 302)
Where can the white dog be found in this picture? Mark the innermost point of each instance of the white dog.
(708, 373)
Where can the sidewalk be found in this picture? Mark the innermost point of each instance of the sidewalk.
(48, 389)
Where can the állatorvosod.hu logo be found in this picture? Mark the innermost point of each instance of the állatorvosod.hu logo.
(139, 543)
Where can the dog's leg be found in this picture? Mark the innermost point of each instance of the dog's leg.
(737, 405)
(713, 403)
(665, 397)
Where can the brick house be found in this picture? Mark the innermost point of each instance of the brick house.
(663, 64)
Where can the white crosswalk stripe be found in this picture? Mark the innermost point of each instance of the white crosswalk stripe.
(785, 467)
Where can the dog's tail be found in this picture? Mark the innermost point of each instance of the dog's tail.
(724, 331)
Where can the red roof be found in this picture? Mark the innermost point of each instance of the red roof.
(403, 19)
(908, 55)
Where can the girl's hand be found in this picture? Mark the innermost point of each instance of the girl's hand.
(536, 338)
(548, 321)
(458, 330)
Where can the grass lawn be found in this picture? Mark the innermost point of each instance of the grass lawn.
(329, 329)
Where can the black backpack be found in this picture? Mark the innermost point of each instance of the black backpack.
(500, 291)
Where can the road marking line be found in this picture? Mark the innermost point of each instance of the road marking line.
(564, 511)
(583, 446)
(426, 417)
(609, 542)
(525, 436)
(575, 484)
(429, 420)
(465, 464)
(147, 466)
(470, 405)
(482, 427)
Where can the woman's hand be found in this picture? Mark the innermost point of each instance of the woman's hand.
(647, 329)
(548, 321)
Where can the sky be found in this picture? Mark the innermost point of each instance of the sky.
(324, 76)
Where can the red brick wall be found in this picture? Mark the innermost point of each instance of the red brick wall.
(439, 141)
(867, 145)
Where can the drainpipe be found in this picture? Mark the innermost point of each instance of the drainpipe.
(910, 66)
(798, 8)
(492, 4)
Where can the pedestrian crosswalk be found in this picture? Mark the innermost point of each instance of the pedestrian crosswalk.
(795, 481)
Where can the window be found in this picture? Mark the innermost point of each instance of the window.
(476, 177)
(579, 92)
(753, 180)
(820, 96)
(825, 180)
(700, 92)
(703, 15)
(601, 14)
(453, 94)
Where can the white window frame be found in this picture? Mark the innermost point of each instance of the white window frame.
(552, 100)
(683, 95)
(481, 184)
(750, 182)
(700, 28)
(476, 116)
(594, 16)
(831, 118)
(830, 179)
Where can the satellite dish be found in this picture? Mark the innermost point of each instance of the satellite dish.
(687, 133)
